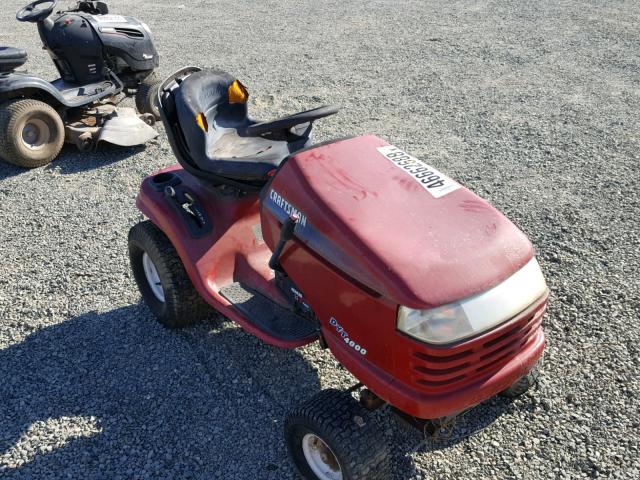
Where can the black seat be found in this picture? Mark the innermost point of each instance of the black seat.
(217, 144)
(11, 58)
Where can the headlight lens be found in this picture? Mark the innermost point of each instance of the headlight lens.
(477, 314)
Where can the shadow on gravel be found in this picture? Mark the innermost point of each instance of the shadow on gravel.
(409, 440)
(114, 395)
(8, 170)
(71, 160)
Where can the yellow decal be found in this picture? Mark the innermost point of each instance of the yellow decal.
(201, 120)
(238, 93)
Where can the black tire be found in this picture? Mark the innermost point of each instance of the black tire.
(42, 126)
(522, 385)
(182, 306)
(350, 432)
(147, 96)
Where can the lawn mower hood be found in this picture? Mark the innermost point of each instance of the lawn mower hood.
(393, 223)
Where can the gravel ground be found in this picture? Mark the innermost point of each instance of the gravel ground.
(534, 105)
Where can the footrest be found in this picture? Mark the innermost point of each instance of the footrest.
(74, 95)
(267, 315)
(92, 90)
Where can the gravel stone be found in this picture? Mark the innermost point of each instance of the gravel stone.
(533, 105)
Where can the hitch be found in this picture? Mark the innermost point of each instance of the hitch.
(432, 429)
(439, 428)
(370, 400)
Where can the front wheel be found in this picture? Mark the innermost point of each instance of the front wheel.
(147, 96)
(31, 133)
(162, 280)
(522, 385)
(332, 437)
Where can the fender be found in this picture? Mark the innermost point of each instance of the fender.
(57, 93)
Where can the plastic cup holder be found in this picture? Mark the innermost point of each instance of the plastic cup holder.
(163, 180)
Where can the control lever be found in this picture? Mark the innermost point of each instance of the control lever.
(286, 234)
(190, 210)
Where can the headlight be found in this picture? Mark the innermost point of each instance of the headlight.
(477, 314)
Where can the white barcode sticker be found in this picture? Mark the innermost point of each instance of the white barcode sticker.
(434, 182)
(111, 19)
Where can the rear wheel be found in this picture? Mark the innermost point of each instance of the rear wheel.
(162, 279)
(332, 437)
(147, 96)
(31, 133)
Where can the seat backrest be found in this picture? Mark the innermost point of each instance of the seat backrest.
(11, 58)
(206, 92)
(182, 100)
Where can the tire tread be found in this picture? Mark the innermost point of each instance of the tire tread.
(362, 447)
(522, 385)
(184, 305)
(142, 97)
(10, 112)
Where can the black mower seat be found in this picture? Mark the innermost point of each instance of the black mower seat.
(224, 149)
(11, 58)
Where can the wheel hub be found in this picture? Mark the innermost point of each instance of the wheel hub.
(320, 458)
(35, 134)
(153, 278)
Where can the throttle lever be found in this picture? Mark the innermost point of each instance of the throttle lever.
(286, 234)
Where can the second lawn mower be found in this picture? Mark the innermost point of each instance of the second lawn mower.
(427, 294)
(99, 58)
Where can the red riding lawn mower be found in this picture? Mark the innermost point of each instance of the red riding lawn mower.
(427, 294)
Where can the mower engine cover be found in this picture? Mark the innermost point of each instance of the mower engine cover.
(402, 229)
(81, 54)
(425, 292)
(128, 39)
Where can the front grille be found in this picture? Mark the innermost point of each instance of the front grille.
(129, 32)
(436, 369)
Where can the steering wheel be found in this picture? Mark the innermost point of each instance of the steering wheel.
(34, 12)
(290, 121)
